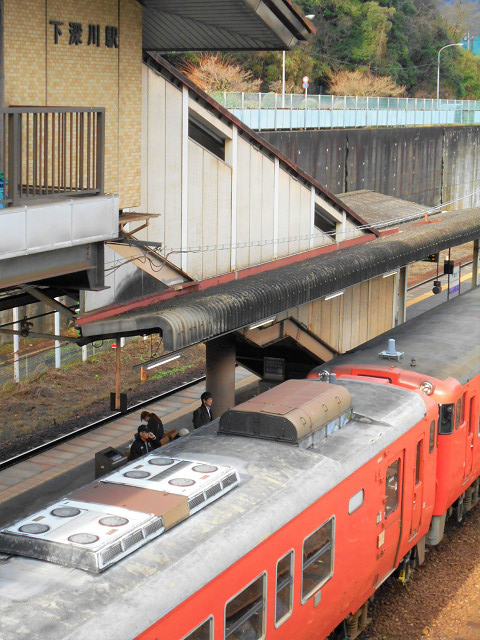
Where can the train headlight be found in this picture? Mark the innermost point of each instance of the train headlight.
(427, 388)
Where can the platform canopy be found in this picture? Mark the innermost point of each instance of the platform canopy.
(222, 25)
(203, 315)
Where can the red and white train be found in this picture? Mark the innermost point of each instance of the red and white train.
(278, 521)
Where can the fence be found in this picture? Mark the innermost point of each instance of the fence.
(50, 151)
(43, 360)
(272, 111)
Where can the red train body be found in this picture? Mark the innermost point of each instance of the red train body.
(337, 486)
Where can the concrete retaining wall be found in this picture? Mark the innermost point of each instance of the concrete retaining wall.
(428, 165)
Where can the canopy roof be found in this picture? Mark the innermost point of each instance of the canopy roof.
(222, 25)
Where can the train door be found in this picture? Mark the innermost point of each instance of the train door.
(417, 500)
(470, 413)
(389, 518)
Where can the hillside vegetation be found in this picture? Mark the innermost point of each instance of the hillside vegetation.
(356, 43)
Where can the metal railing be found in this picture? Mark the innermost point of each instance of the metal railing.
(271, 111)
(51, 151)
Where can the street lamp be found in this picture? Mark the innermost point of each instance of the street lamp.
(309, 17)
(454, 44)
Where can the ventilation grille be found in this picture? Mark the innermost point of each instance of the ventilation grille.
(133, 539)
(109, 554)
(213, 490)
(194, 502)
(229, 480)
(153, 527)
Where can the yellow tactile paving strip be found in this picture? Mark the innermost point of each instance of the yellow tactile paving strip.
(38, 470)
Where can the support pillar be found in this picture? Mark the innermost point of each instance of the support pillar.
(475, 279)
(402, 294)
(221, 373)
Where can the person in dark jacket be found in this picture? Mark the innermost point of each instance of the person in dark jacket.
(154, 424)
(203, 415)
(143, 443)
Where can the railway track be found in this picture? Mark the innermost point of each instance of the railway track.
(94, 425)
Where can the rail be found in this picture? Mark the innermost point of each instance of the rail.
(50, 152)
(272, 111)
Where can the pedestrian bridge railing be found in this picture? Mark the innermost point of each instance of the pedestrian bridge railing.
(272, 111)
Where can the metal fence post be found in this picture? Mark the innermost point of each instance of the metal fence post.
(100, 162)
(14, 157)
(259, 111)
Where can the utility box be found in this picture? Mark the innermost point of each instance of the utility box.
(107, 460)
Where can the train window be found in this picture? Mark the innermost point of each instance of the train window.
(431, 442)
(355, 502)
(202, 632)
(391, 488)
(458, 414)
(418, 461)
(446, 419)
(318, 551)
(284, 599)
(245, 613)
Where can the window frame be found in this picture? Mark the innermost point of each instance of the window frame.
(278, 623)
(397, 490)
(431, 440)
(263, 575)
(458, 413)
(216, 139)
(362, 491)
(211, 631)
(311, 560)
(441, 419)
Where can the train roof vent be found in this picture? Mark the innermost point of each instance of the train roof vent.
(108, 519)
(297, 412)
(391, 352)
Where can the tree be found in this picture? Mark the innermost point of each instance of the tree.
(363, 83)
(213, 72)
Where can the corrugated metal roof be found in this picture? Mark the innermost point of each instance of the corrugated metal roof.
(378, 209)
(201, 316)
(205, 25)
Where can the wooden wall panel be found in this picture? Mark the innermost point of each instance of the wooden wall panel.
(256, 213)
(294, 216)
(243, 202)
(267, 206)
(210, 213)
(361, 313)
(224, 225)
(283, 212)
(195, 208)
(173, 168)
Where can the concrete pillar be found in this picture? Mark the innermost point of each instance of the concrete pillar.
(402, 294)
(221, 373)
(475, 279)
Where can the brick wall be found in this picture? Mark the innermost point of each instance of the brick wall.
(39, 72)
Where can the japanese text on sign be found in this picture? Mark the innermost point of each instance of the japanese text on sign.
(75, 34)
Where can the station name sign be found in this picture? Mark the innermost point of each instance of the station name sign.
(76, 34)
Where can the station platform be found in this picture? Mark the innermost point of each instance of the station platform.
(29, 485)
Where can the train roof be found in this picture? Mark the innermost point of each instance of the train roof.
(444, 342)
(278, 481)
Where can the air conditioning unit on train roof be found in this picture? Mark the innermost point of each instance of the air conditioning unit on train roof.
(296, 412)
(108, 519)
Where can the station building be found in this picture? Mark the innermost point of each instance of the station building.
(129, 190)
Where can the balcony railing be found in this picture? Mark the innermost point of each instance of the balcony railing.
(51, 152)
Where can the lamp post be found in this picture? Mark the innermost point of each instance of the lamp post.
(454, 44)
(309, 17)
